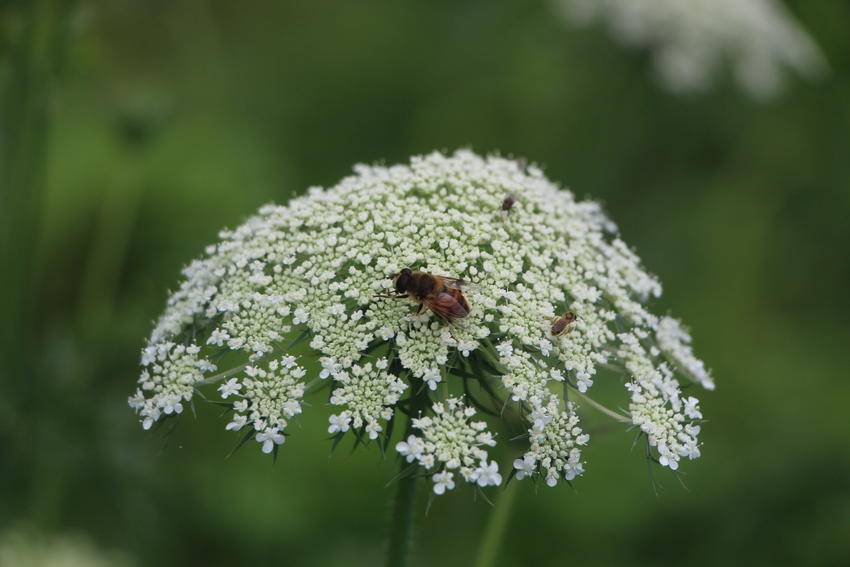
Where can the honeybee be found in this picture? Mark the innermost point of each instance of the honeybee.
(508, 203)
(560, 324)
(441, 294)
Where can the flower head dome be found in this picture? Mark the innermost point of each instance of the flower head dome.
(514, 294)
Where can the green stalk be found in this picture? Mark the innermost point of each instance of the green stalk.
(599, 407)
(404, 506)
(401, 529)
(494, 533)
(99, 286)
(29, 64)
(30, 59)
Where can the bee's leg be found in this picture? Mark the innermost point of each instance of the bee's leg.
(419, 309)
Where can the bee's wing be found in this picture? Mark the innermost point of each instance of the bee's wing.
(456, 283)
(446, 307)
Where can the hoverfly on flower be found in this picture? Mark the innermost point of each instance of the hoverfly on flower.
(441, 294)
(560, 324)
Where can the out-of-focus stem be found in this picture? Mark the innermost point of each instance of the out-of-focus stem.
(494, 533)
(31, 56)
(401, 528)
(30, 61)
(404, 507)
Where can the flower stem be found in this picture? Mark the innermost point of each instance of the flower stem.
(30, 60)
(401, 526)
(401, 529)
(599, 407)
(496, 526)
(221, 375)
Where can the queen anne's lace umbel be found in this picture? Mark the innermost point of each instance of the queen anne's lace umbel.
(268, 399)
(369, 393)
(556, 440)
(449, 442)
(690, 41)
(322, 267)
(169, 375)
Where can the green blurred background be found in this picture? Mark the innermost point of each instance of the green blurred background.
(134, 130)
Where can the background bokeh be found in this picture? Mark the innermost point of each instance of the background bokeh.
(163, 121)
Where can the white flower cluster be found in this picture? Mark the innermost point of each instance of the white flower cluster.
(675, 342)
(690, 41)
(657, 406)
(449, 442)
(555, 440)
(424, 349)
(267, 399)
(370, 393)
(169, 375)
(321, 269)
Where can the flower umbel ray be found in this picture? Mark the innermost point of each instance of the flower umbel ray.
(553, 295)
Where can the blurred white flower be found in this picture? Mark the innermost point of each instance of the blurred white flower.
(691, 40)
(237, 423)
(339, 423)
(525, 466)
(487, 474)
(411, 449)
(269, 438)
(443, 481)
(229, 388)
(320, 270)
(25, 548)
